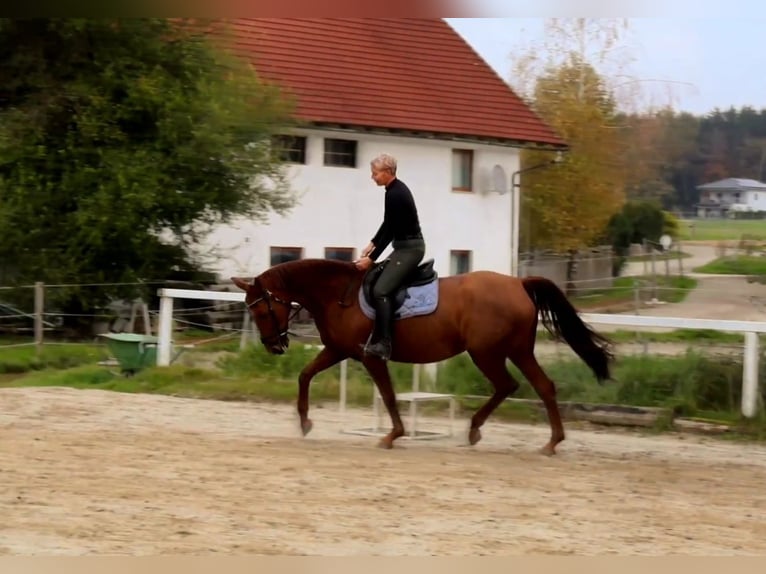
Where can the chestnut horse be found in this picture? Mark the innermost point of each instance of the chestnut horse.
(492, 316)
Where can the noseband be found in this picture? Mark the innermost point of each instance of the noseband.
(279, 336)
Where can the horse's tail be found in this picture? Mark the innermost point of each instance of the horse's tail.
(562, 321)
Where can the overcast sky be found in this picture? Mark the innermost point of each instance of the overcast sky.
(707, 62)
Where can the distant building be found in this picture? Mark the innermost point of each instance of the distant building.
(719, 198)
(409, 87)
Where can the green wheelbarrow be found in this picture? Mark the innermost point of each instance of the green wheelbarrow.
(133, 351)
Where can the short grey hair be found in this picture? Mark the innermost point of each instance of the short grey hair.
(385, 161)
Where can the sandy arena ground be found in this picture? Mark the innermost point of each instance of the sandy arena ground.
(90, 472)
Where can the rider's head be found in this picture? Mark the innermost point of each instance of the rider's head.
(383, 169)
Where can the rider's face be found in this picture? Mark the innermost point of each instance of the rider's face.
(381, 176)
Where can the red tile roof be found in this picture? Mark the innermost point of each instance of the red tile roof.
(411, 75)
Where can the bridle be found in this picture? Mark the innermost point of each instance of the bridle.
(280, 333)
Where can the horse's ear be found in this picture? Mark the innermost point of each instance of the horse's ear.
(241, 282)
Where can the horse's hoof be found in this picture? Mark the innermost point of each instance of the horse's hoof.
(474, 436)
(384, 444)
(547, 450)
(306, 427)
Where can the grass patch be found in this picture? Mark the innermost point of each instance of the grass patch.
(662, 256)
(669, 288)
(694, 384)
(25, 359)
(720, 229)
(695, 337)
(206, 341)
(736, 265)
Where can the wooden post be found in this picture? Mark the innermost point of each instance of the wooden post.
(39, 310)
(654, 277)
(680, 258)
(645, 252)
(147, 321)
(245, 330)
(132, 322)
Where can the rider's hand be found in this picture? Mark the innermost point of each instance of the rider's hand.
(364, 263)
(367, 250)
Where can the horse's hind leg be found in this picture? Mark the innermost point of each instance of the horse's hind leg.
(492, 365)
(546, 390)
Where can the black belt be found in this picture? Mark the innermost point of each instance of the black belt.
(410, 237)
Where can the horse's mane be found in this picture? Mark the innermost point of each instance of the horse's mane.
(293, 274)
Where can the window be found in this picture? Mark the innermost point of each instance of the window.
(340, 253)
(462, 169)
(459, 262)
(340, 152)
(284, 254)
(290, 149)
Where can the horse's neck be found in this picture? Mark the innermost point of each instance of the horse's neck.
(316, 289)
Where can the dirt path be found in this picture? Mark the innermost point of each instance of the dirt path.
(700, 254)
(89, 472)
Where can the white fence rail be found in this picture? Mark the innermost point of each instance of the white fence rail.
(751, 330)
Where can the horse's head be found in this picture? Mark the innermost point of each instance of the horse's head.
(269, 311)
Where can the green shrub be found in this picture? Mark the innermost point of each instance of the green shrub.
(687, 383)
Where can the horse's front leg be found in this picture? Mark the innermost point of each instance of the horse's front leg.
(379, 372)
(324, 360)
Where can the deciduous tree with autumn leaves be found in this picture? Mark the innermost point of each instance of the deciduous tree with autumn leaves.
(568, 207)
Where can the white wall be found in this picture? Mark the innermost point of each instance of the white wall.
(342, 207)
(756, 200)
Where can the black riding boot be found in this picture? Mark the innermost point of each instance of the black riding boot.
(381, 335)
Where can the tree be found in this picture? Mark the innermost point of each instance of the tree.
(638, 220)
(565, 208)
(644, 156)
(683, 161)
(122, 142)
(569, 205)
(577, 79)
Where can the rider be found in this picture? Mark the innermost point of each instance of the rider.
(401, 228)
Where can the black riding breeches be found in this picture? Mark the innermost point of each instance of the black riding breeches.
(401, 263)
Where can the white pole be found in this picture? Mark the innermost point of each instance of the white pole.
(343, 375)
(413, 404)
(515, 221)
(750, 375)
(165, 331)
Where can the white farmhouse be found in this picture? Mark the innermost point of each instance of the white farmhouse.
(719, 198)
(409, 87)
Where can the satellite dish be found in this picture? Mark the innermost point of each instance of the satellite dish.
(666, 241)
(499, 184)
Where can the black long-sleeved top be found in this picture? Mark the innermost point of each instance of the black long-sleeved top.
(400, 218)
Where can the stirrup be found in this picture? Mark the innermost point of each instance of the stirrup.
(381, 349)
